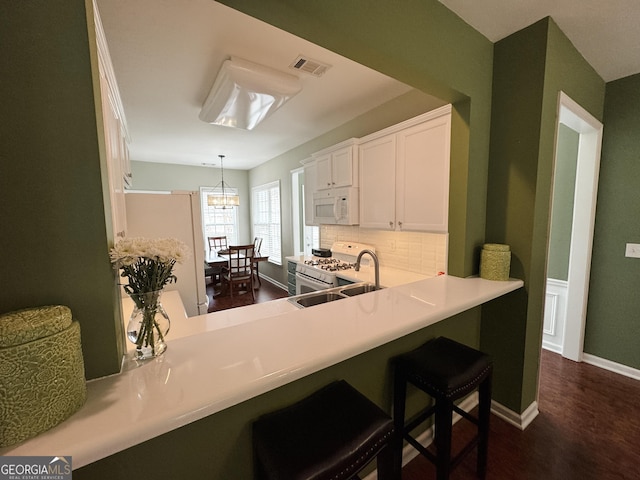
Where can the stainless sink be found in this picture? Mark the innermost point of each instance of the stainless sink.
(330, 295)
(318, 298)
(358, 289)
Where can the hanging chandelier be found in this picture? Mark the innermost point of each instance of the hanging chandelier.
(225, 200)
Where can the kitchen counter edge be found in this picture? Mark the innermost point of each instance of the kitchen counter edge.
(202, 355)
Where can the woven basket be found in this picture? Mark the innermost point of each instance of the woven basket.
(41, 371)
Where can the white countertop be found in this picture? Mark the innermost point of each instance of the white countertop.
(218, 360)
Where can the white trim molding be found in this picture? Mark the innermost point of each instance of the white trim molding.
(518, 420)
(586, 191)
(551, 308)
(555, 315)
(611, 366)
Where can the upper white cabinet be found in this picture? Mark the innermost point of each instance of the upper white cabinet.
(404, 174)
(337, 166)
(378, 183)
(115, 132)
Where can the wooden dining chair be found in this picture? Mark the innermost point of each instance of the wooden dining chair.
(257, 243)
(215, 271)
(239, 270)
(217, 243)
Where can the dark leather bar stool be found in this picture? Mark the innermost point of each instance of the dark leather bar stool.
(447, 371)
(331, 434)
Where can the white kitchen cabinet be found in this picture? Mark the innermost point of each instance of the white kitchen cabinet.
(337, 166)
(115, 133)
(378, 183)
(404, 175)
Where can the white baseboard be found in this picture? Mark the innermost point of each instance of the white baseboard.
(518, 420)
(611, 366)
(552, 347)
(272, 281)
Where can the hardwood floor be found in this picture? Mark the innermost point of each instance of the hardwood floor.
(588, 428)
(265, 292)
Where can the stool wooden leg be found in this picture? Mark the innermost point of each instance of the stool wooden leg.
(444, 418)
(386, 463)
(399, 398)
(484, 415)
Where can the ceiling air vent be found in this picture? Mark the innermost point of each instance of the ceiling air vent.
(310, 66)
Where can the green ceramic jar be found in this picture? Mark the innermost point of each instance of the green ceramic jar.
(495, 261)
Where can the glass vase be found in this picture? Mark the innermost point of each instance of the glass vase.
(148, 325)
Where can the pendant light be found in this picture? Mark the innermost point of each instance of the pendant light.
(225, 200)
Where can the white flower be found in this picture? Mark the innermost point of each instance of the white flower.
(148, 263)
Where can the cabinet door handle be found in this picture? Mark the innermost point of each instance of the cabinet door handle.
(390, 224)
(400, 225)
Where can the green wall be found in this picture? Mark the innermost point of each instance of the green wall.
(612, 329)
(564, 183)
(55, 232)
(531, 67)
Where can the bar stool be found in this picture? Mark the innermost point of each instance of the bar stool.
(447, 371)
(331, 434)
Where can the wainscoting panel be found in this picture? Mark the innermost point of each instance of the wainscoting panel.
(555, 313)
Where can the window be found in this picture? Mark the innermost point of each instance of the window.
(219, 221)
(265, 211)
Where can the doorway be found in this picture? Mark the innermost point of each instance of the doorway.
(573, 206)
(305, 237)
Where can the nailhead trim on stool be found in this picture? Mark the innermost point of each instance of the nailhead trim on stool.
(447, 371)
(330, 435)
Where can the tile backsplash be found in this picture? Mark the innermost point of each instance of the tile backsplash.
(419, 252)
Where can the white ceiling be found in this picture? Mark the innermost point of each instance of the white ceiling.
(605, 32)
(166, 54)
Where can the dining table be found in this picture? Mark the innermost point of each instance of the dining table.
(220, 258)
(214, 259)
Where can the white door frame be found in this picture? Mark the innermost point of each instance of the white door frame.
(586, 191)
(296, 207)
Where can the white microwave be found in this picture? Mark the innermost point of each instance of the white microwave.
(338, 206)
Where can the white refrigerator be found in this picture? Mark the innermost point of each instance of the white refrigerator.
(175, 215)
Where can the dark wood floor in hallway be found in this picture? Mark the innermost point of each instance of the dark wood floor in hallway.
(588, 429)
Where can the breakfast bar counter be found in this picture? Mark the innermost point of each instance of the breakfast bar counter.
(220, 360)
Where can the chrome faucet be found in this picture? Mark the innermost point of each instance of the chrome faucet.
(376, 264)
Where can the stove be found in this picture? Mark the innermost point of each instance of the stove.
(319, 273)
(329, 264)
